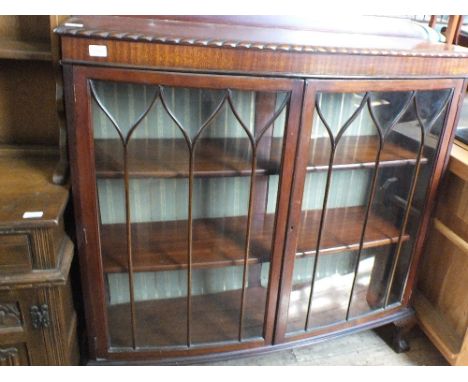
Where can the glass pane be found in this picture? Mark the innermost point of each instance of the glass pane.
(221, 205)
(435, 103)
(356, 234)
(371, 276)
(300, 293)
(188, 185)
(388, 107)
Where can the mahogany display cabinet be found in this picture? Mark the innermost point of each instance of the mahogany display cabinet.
(250, 184)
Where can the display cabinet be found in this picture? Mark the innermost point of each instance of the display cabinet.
(246, 193)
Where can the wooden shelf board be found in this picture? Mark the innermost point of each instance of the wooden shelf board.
(215, 318)
(163, 245)
(24, 170)
(342, 231)
(25, 151)
(169, 158)
(25, 50)
(357, 152)
(220, 241)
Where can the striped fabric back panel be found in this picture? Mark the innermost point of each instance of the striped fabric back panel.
(154, 199)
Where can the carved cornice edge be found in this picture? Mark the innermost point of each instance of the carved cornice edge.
(140, 37)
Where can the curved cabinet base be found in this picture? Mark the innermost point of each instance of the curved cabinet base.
(136, 358)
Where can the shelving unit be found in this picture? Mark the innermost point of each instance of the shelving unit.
(217, 244)
(195, 240)
(30, 82)
(35, 251)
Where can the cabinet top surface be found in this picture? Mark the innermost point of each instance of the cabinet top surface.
(357, 36)
(27, 187)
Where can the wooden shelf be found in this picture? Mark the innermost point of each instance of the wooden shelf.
(25, 50)
(219, 242)
(342, 231)
(215, 318)
(169, 158)
(216, 315)
(24, 169)
(163, 245)
(358, 152)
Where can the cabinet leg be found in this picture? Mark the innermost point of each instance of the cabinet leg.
(402, 328)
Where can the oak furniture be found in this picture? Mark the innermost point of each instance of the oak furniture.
(441, 300)
(31, 89)
(37, 317)
(251, 184)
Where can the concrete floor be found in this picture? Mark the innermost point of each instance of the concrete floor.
(365, 348)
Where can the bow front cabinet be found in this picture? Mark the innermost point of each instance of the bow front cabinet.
(237, 191)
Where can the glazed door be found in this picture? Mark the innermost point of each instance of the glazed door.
(370, 158)
(185, 184)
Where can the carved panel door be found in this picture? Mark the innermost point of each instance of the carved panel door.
(21, 337)
(182, 205)
(368, 165)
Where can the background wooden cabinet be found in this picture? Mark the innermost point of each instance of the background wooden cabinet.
(19, 340)
(31, 89)
(37, 317)
(441, 301)
(38, 327)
